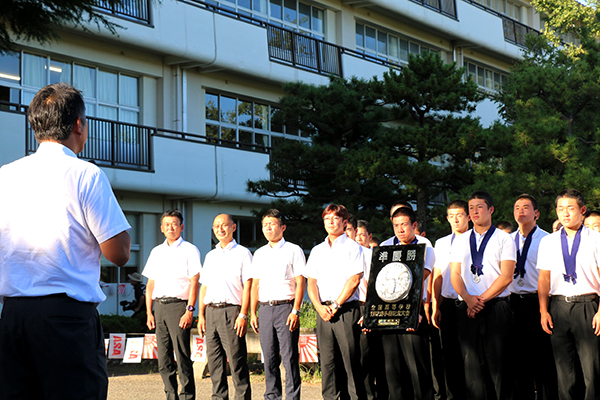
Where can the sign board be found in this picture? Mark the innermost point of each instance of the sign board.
(395, 287)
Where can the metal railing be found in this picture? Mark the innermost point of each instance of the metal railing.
(138, 10)
(194, 137)
(304, 51)
(445, 7)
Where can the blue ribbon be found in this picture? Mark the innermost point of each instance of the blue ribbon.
(477, 255)
(570, 259)
(522, 256)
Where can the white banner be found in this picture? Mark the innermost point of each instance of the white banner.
(133, 350)
(116, 347)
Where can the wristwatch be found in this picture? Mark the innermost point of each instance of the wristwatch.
(242, 316)
(296, 312)
(191, 308)
(335, 305)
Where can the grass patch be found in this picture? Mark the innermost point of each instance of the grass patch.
(308, 316)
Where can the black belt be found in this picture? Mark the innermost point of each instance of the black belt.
(584, 298)
(275, 302)
(346, 304)
(524, 295)
(490, 302)
(456, 302)
(169, 300)
(221, 305)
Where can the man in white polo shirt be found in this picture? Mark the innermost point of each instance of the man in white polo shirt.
(278, 285)
(568, 289)
(445, 300)
(173, 269)
(482, 265)
(334, 270)
(223, 313)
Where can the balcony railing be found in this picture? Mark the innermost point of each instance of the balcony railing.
(138, 10)
(445, 7)
(515, 32)
(114, 144)
(194, 137)
(304, 51)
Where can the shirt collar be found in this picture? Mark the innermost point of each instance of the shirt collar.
(278, 245)
(338, 240)
(229, 246)
(54, 147)
(175, 243)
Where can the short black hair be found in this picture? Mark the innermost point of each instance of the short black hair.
(481, 195)
(503, 225)
(401, 203)
(352, 221)
(593, 213)
(459, 204)
(274, 213)
(405, 212)
(572, 194)
(529, 197)
(54, 111)
(338, 210)
(172, 213)
(361, 223)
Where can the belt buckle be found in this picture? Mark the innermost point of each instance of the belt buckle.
(272, 303)
(570, 299)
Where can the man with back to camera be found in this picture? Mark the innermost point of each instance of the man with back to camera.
(278, 284)
(173, 269)
(406, 353)
(568, 288)
(58, 214)
(224, 304)
(445, 300)
(482, 264)
(334, 270)
(533, 363)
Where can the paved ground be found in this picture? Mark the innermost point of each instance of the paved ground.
(148, 386)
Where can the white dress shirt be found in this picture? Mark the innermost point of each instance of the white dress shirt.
(225, 272)
(443, 249)
(332, 266)
(172, 267)
(550, 258)
(364, 281)
(499, 248)
(277, 268)
(55, 210)
(530, 279)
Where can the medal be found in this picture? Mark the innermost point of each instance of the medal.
(476, 278)
(521, 282)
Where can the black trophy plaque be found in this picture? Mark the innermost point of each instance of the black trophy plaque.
(395, 287)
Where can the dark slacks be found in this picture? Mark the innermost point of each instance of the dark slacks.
(407, 363)
(453, 361)
(171, 338)
(275, 338)
(371, 354)
(574, 338)
(484, 344)
(532, 359)
(223, 343)
(341, 336)
(51, 348)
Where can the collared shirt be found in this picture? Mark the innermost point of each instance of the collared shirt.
(499, 248)
(332, 266)
(530, 279)
(429, 256)
(277, 268)
(550, 258)
(55, 209)
(225, 272)
(172, 267)
(364, 281)
(443, 249)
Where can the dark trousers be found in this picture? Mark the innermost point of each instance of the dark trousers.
(437, 363)
(340, 336)
(484, 344)
(532, 359)
(223, 343)
(371, 354)
(171, 338)
(574, 338)
(51, 348)
(407, 363)
(453, 361)
(276, 338)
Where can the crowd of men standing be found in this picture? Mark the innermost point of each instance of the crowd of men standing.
(503, 316)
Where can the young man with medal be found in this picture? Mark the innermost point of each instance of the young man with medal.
(445, 300)
(533, 363)
(406, 353)
(568, 288)
(482, 265)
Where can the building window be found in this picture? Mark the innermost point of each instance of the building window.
(386, 46)
(488, 79)
(291, 14)
(109, 273)
(245, 121)
(510, 9)
(107, 94)
(248, 233)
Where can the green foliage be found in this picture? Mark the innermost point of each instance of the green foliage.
(122, 324)
(308, 315)
(38, 19)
